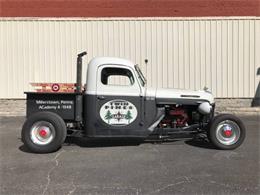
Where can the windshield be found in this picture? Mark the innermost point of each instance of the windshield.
(140, 75)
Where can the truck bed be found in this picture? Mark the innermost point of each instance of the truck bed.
(66, 105)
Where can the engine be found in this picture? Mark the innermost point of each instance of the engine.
(177, 116)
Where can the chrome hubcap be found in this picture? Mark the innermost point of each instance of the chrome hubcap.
(42, 133)
(228, 132)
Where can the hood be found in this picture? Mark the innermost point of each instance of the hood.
(180, 94)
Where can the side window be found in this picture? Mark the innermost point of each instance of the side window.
(117, 76)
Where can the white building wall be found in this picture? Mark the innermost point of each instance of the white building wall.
(220, 53)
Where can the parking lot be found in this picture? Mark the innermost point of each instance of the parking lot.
(178, 167)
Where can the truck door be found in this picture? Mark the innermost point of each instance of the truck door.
(119, 102)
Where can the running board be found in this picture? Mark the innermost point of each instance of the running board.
(75, 133)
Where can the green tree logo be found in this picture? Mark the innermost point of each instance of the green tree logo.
(108, 116)
(128, 116)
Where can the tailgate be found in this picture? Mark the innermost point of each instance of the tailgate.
(66, 105)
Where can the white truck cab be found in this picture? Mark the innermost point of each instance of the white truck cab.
(136, 83)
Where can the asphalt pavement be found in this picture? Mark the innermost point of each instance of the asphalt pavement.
(124, 167)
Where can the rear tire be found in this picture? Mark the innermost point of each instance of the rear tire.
(226, 132)
(44, 132)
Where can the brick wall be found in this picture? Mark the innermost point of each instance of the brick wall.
(12, 107)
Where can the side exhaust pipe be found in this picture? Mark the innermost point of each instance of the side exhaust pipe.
(79, 72)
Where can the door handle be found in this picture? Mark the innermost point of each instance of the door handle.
(101, 97)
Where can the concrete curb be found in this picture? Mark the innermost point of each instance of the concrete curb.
(10, 114)
(12, 107)
(255, 111)
(241, 111)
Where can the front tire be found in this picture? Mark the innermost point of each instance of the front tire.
(226, 132)
(44, 132)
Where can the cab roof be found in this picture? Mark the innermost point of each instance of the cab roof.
(109, 60)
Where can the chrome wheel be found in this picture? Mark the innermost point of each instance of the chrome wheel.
(227, 132)
(42, 133)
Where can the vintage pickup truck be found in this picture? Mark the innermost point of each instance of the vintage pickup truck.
(116, 103)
